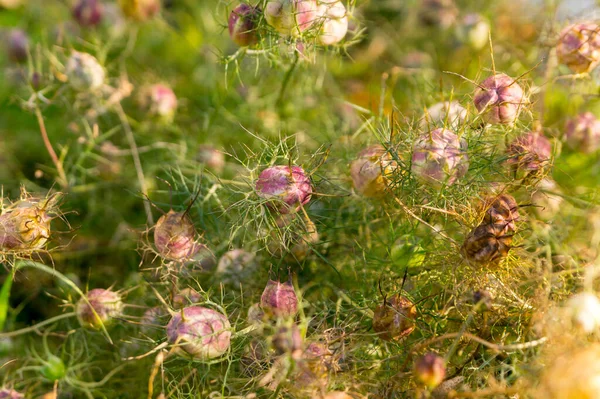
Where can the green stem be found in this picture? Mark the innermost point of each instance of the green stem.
(38, 325)
(4, 297)
(286, 79)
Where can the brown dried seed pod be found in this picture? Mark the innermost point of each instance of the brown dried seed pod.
(395, 318)
(486, 244)
(25, 225)
(502, 210)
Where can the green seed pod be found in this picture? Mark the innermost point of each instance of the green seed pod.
(54, 369)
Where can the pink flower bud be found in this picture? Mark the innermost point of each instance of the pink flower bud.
(280, 299)
(84, 72)
(18, 45)
(395, 318)
(531, 151)
(88, 12)
(430, 370)
(582, 133)
(291, 17)
(243, 25)
(500, 99)
(175, 236)
(286, 188)
(6, 393)
(579, 47)
(440, 13)
(199, 332)
(107, 304)
(24, 226)
(159, 100)
(372, 170)
(439, 157)
(211, 157)
(473, 31)
(334, 21)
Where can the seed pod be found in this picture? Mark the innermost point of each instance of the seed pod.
(448, 114)
(474, 31)
(314, 365)
(211, 157)
(279, 299)
(25, 225)
(486, 244)
(53, 369)
(439, 157)
(582, 133)
(430, 370)
(18, 45)
(186, 297)
(579, 47)
(407, 252)
(395, 318)
(584, 309)
(175, 237)
(159, 100)
(84, 72)
(291, 17)
(371, 171)
(88, 12)
(243, 24)
(502, 211)
(499, 99)
(199, 332)
(107, 305)
(236, 265)
(6, 393)
(140, 10)
(288, 340)
(287, 189)
(334, 22)
(440, 13)
(530, 152)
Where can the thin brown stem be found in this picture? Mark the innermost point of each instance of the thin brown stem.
(62, 177)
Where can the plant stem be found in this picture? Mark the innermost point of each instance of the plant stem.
(38, 325)
(136, 161)
(286, 79)
(62, 178)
